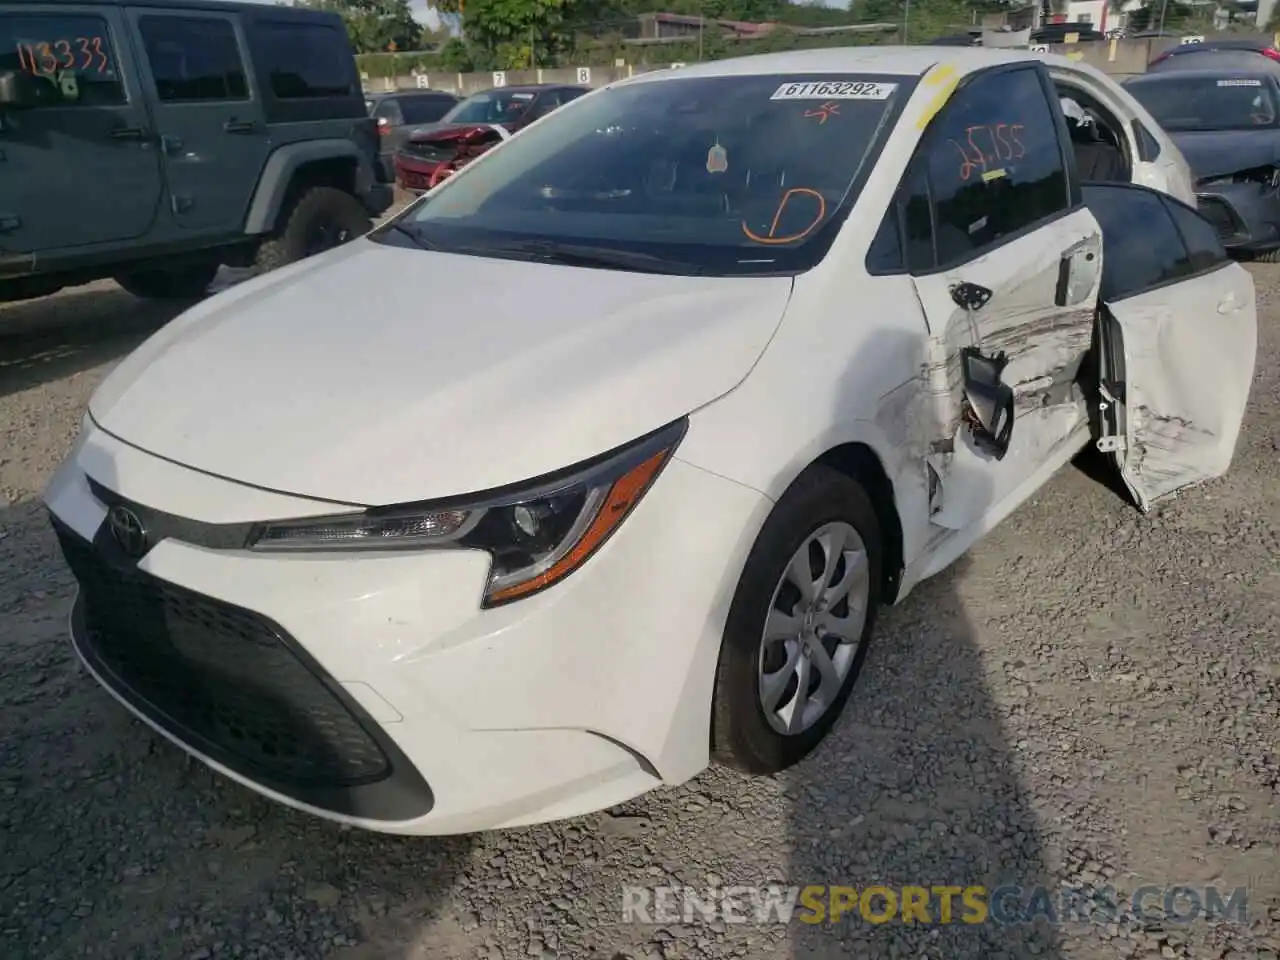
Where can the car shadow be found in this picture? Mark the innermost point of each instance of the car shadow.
(60, 335)
(118, 844)
(917, 786)
(1099, 468)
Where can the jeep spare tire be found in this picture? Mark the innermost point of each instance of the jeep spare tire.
(320, 219)
(189, 281)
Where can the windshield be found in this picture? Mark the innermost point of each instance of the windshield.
(714, 175)
(492, 106)
(1208, 103)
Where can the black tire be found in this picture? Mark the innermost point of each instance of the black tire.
(320, 219)
(741, 736)
(190, 281)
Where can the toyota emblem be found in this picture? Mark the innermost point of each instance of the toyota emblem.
(128, 531)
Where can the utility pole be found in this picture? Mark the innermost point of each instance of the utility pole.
(906, 19)
(533, 60)
(701, 22)
(1163, 7)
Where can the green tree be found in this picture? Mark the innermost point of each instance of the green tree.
(374, 25)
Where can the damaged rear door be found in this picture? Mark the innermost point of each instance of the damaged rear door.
(1006, 263)
(1177, 342)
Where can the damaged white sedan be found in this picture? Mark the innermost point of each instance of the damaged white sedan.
(595, 464)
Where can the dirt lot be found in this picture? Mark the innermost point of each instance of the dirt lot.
(1091, 696)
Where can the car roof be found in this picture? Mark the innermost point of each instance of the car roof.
(910, 61)
(1225, 43)
(531, 88)
(415, 92)
(1207, 73)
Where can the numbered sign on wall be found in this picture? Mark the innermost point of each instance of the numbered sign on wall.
(424, 81)
(1193, 39)
(499, 78)
(1039, 48)
(584, 75)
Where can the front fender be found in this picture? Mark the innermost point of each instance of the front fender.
(278, 173)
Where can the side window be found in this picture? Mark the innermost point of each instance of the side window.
(425, 109)
(1148, 146)
(1141, 246)
(389, 110)
(71, 56)
(544, 105)
(193, 59)
(570, 94)
(1204, 251)
(306, 60)
(905, 237)
(995, 163)
(885, 254)
(917, 220)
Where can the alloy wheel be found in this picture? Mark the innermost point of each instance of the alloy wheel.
(813, 628)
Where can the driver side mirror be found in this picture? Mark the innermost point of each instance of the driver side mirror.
(988, 401)
(18, 90)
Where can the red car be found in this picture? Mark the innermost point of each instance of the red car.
(433, 151)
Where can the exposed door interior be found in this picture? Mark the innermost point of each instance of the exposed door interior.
(1177, 343)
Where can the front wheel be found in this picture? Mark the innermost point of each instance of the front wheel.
(799, 624)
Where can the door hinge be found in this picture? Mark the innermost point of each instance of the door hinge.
(1111, 444)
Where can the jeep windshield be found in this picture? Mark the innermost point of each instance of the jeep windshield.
(1185, 103)
(701, 175)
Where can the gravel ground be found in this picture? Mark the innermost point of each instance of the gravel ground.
(1089, 697)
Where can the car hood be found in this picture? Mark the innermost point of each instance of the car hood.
(1218, 153)
(449, 131)
(375, 375)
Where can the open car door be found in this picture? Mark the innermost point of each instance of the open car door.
(1177, 343)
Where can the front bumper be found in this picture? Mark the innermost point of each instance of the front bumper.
(1246, 216)
(373, 689)
(414, 174)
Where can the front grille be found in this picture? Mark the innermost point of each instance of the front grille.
(221, 678)
(1220, 216)
(432, 152)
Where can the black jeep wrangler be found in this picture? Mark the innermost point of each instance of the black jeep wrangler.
(155, 140)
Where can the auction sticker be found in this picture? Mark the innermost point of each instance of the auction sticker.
(835, 90)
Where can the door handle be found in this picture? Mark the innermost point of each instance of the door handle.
(128, 133)
(240, 126)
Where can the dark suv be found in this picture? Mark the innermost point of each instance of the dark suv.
(154, 140)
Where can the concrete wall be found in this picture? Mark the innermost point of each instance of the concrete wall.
(1120, 58)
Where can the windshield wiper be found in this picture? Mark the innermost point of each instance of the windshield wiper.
(417, 238)
(584, 255)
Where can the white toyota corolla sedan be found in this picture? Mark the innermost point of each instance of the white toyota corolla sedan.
(595, 464)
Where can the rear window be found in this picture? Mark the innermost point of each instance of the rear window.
(425, 109)
(1208, 103)
(714, 175)
(306, 60)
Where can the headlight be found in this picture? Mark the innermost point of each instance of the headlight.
(537, 534)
